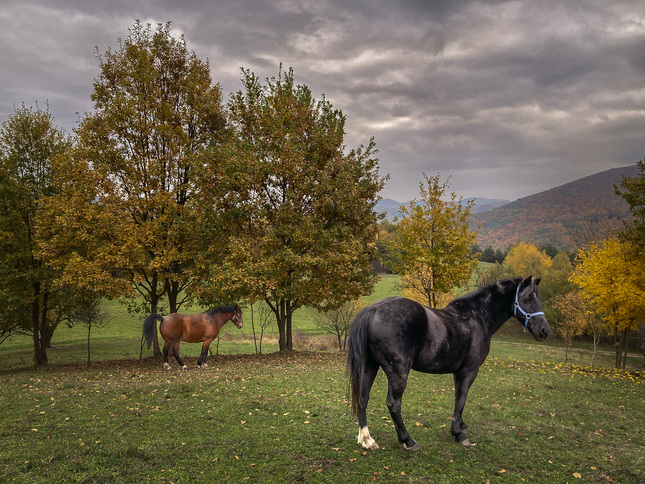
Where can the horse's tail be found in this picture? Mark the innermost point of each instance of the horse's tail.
(357, 353)
(149, 327)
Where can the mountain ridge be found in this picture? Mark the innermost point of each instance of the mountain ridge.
(565, 216)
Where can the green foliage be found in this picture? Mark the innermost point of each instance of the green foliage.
(292, 219)
(125, 205)
(632, 190)
(433, 241)
(30, 302)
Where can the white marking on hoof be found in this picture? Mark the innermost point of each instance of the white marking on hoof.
(204, 365)
(366, 440)
(466, 443)
(166, 366)
(184, 367)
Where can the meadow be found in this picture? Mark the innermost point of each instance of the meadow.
(275, 417)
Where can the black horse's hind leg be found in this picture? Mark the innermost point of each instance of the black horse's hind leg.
(364, 437)
(397, 381)
(463, 381)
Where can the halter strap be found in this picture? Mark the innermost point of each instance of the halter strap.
(516, 307)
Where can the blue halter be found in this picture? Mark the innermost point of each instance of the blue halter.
(516, 306)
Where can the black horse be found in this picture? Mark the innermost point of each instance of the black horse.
(398, 334)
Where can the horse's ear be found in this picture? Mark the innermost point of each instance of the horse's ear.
(525, 282)
(537, 280)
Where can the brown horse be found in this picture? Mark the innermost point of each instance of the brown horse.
(177, 327)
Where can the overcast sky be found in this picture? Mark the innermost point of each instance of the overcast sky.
(506, 98)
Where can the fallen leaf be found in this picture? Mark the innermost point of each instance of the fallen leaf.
(577, 475)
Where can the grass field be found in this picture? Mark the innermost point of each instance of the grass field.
(285, 417)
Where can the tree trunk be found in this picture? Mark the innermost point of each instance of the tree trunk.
(289, 328)
(154, 305)
(618, 348)
(89, 330)
(40, 354)
(281, 321)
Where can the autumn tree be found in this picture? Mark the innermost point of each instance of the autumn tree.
(155, 109)
(337, 321)
(526, 259)
(433, 241)
(296, 209)
(578, 319)
(29, 301)
(632, 190)
(612, 277)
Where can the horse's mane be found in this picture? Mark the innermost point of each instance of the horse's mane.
(231, 308)
(483, 292)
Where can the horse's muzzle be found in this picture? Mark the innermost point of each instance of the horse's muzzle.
(540, 329)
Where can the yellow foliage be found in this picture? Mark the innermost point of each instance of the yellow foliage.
(526, 259)
(612, 278)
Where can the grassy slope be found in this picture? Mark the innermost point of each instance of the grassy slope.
(121, 339)
(285, 418)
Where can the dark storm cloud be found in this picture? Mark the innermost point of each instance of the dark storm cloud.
(507, 98)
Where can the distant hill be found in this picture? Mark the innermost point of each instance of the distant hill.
(564, 217)
(391, 207)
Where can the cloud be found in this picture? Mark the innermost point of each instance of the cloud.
(506, 97)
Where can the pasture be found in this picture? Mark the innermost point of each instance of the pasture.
(285, 417)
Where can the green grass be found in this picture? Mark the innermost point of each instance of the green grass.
(285, 418)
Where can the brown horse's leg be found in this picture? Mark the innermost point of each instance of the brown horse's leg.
(175, 351)
(166, 351)
(202, 357)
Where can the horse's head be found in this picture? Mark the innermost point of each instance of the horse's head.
(237, 317)
(527, 308)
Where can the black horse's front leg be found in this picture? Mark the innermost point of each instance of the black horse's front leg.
(463, 381)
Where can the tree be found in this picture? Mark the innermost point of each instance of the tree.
(88, 311)
(337, 321)
(489, 255)
(433, 241)
(632, 190)
(526, 259)
(30, 302)
(290, 214)
(385, 260)
(577, 320)
(265, 319)
(612, 277)
(131, 174)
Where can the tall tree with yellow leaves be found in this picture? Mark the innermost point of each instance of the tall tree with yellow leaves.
(433, 241)
(612, 277)
(126, 198)
(526, 259)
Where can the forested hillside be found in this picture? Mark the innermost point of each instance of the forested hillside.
(565, 217)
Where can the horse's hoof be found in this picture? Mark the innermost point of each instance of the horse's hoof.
(184, 367)
(372, 446)
(203, 365)
(412, 448)
(466, 443)
(166, 366)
